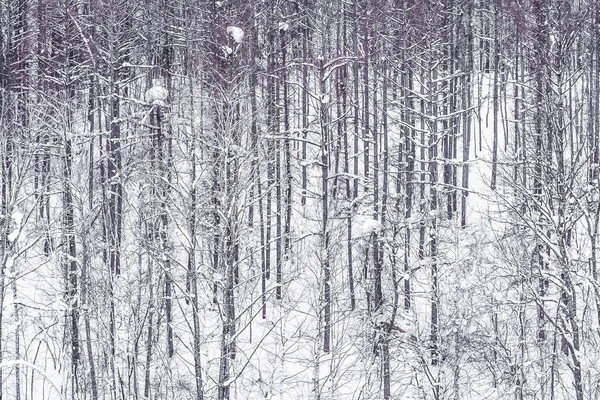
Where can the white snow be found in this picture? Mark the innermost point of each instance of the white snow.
(236, 33)
(12, 237)
(283, 26)
(157, 95)
(226, 50)
(17, 217)
(10, 261)
(370, 226)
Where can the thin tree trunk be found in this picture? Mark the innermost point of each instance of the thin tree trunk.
(192, 265)
(386, 364)
(495, 96)
(6, 175)
(433, 176)
(342, 88)
(410, 155)
(305, 93)
(466, 127)
(85, 282)
(366, 128)
(355, 99)
(288, 169)
(70, 266)
(324, 254)
(377, 254)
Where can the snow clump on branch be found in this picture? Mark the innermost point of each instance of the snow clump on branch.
(157, 95)
(370, 226)
(226, 50)
(236, 33)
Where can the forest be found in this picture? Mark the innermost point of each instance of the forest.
(299, 199)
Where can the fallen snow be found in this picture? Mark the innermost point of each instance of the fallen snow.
(236, 33)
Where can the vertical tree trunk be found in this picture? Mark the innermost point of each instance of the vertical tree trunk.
(6, 176)
(342, 95)
(164, 155)
(466, 126)
(70, 265)
(288, 167)
(167, 156)
(366, 127)
(112, 213)
(410, 155)
(93, 103)
(433, 203)
(377, 254)
(385, 350)
(273, 133)
(85, 305)
(263, 263)
(495, 96)
(192, 278)
(355, 98)
(305, 92)
(539, 72)
(150, 329)
(324, 253)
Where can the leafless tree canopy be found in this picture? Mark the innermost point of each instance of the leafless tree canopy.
(299, 199)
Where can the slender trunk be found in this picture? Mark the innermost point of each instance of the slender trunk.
(164, 155)
(377, 255)
(386, 364)
(150, 330)
(85, 282)
(263, 261)
(4, 230)
(6, 176)
(366, 128)
(466, 126)
(279, 209)
(433, 202)
(355, 99)
(288, 169)
(324, 254)
(410, 154)
(85, 265)
(70, 266)
(113, 207)
(272, 143)
(496, 104)
(305, 98)
(342, 88)
(192, 264)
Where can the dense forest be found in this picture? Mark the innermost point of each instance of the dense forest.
(299, 199)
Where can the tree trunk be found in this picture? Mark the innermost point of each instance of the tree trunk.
(324, 253)
(70, 266)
